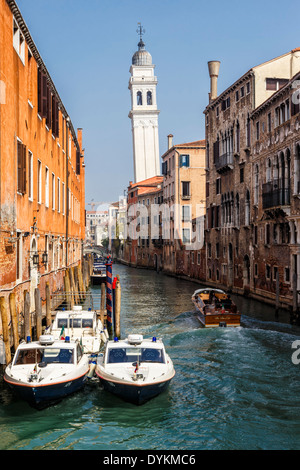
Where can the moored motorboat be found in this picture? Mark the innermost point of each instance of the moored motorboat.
(45, 371)
(82, 325)
(99, 272)
(215, 308)
(135, 369)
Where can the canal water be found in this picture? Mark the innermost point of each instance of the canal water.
(233, 389)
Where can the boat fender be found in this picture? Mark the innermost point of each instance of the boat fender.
(92, 370)
(154, 339)
(106, 333)
(67, 340)
(28, 339)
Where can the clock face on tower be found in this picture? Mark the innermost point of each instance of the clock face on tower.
(144, 113)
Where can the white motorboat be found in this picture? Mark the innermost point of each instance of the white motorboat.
(135, 369)
(82, 325)
(45, 371)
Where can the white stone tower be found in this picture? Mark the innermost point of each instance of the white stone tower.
(144, 114)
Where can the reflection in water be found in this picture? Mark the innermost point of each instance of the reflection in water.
(234, 388)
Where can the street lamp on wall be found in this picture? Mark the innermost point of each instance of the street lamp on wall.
(35, 259)
(45, 258)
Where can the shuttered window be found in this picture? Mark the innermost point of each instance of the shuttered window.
(77, 162)
(21, 158)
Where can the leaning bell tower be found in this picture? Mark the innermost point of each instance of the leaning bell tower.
(144, 113)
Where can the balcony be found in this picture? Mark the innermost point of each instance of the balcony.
(276, 193)
(224, 162)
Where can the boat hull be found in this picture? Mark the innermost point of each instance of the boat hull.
(97, 279)
(137, 394)
(40, 396)
(213, 320)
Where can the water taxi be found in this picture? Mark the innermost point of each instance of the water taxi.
(215, 308)
(45, 371)
(135, 369)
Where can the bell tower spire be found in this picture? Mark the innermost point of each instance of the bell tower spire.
(144, 113)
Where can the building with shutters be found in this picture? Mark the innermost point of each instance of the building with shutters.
(184, 172)
(42, 197)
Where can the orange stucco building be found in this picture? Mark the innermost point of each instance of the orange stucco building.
(42, 198)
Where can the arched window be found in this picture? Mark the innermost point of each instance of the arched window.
(247, 208)
(256, 184)
(149, 97)
(139, 98)
(269, 171)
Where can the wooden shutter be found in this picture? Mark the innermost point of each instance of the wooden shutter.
(55, 125)
(21, 173)
(44, 95)
(77, 162)
(49, 107)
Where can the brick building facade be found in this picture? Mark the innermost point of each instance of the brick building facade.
(41, 169)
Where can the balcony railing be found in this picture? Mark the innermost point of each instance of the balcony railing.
(224, 162)
(276, 193)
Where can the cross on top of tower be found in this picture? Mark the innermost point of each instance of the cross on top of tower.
(141, 31)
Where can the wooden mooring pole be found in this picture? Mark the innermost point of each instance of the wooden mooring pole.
(5, 328)
(48, 305)
(14, 319)
(27, 318)
(117, 310)
(38, 312)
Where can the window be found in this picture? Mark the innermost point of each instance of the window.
(287, 274)
(184, 160)
(18, 41)
(186, 189)
(186, 235)
(274, 84)
(46, 187)
(149, 98)
(242, 92)
(218, 186)
(185, 213)
(139, 99)
(269, 122)
(268, 271)
(242, 175)
(217, 111)
(21, 157)
(39, 182)
(248, 88)
(257, 130)
(30, 179)
(237, 95)
(53, 191)
(58, 195)
(226, 103)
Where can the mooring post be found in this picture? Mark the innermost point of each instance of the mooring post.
(102, 308)
(27, 319)
(118, 308)
(48, 305)
(109, 294)
(5, 328)
(14, 319)
(277, 294)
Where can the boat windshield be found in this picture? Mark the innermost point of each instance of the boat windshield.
(116, 355)
(45, 356)
(75, 323)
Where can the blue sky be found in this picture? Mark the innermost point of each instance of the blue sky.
(87, 46)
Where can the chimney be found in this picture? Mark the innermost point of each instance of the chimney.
(213, 68)
(170, 141)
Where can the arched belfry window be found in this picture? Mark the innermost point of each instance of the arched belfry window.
(149, 98)
(139, 98)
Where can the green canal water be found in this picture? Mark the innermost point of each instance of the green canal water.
(233, 388)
